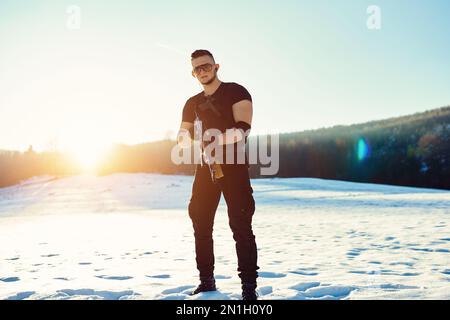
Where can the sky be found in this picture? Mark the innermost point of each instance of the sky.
(121, 72)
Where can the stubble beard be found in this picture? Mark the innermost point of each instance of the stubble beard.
(211, 80)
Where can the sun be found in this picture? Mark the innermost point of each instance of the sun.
(89, 156)
(87, 147)
(88, 159)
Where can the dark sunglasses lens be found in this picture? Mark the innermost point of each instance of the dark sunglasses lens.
(204, 67)
(207, 67)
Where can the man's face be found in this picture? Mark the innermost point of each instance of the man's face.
(204, 69)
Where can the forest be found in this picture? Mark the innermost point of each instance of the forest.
(412, 150)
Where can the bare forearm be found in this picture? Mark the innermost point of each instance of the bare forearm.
(231, 136)
(184, 138)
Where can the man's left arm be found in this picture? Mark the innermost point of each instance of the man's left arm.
(242, 113)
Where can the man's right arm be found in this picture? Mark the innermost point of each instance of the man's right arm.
(184, 137)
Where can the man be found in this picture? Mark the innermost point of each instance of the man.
(225, 106)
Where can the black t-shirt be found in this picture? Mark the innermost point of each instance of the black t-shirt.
(227, 94)
(223, 99)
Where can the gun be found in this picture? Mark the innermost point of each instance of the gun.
(214, 168)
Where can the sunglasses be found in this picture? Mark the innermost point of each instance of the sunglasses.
(205, 67)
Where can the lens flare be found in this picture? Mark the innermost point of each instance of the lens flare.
(363, 149)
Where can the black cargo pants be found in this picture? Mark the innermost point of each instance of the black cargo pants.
(238, 194)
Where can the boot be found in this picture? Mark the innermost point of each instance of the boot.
(249, 291)
(205, 285)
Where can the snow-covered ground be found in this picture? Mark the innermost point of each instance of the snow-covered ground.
(128, 236)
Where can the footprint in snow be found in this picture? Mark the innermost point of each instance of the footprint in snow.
(303, 286)
(13, 259)
(327, 292)
(115, 277)
(177, 290)
(10, 279)
(390, 286)
(160, 276)
(108, 295)
(21, 295)
(271, 275)
(304, 273)
(262, 291)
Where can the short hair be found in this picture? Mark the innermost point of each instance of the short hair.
(200, 53)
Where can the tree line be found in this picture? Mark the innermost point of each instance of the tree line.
(411, 150)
